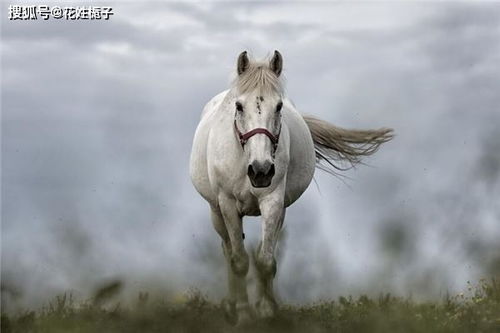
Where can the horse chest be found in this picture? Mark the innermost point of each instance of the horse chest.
(249, 206)
(246, 201)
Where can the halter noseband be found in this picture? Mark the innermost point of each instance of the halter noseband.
(244, 137)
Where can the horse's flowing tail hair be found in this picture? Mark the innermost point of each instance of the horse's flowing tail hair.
(335, 147)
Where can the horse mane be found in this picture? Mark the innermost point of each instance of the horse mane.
(335, 145)
(258, 76)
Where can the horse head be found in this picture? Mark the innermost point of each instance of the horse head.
(257, 117)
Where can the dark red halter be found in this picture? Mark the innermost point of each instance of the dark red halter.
(244, 137)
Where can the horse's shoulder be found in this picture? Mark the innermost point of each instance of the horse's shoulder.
(288, 102)
(214, 103)
(293, 115)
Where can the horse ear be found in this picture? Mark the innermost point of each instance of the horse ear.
(243, 62)
(276, 63)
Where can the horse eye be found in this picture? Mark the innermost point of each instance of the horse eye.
(279, 106)
(239, 107)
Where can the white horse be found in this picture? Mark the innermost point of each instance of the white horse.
(255, 154)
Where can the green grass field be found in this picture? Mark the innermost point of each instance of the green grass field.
(476, 311)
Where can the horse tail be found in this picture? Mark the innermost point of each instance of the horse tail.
(336, 146)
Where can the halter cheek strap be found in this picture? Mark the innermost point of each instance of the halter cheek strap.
(244, 137)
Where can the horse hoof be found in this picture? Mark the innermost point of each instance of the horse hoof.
(244, 320)
(245, 316)
(229, 308)
(266, 308)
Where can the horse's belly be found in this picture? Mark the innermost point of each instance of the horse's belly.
(302, 158)
(298, 182)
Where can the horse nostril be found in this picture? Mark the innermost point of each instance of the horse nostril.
(261, 174)
(265, 168)
(250, 172)
(271, 171)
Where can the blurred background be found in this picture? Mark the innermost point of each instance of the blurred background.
(98, 119)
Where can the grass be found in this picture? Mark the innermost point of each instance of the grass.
(478, 311)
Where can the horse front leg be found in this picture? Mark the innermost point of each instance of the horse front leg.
(237, 260)
(273, 213)
(229, 303)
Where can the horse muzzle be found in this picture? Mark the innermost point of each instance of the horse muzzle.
(261, 173)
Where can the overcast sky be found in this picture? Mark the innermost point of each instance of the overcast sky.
(98, 119)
